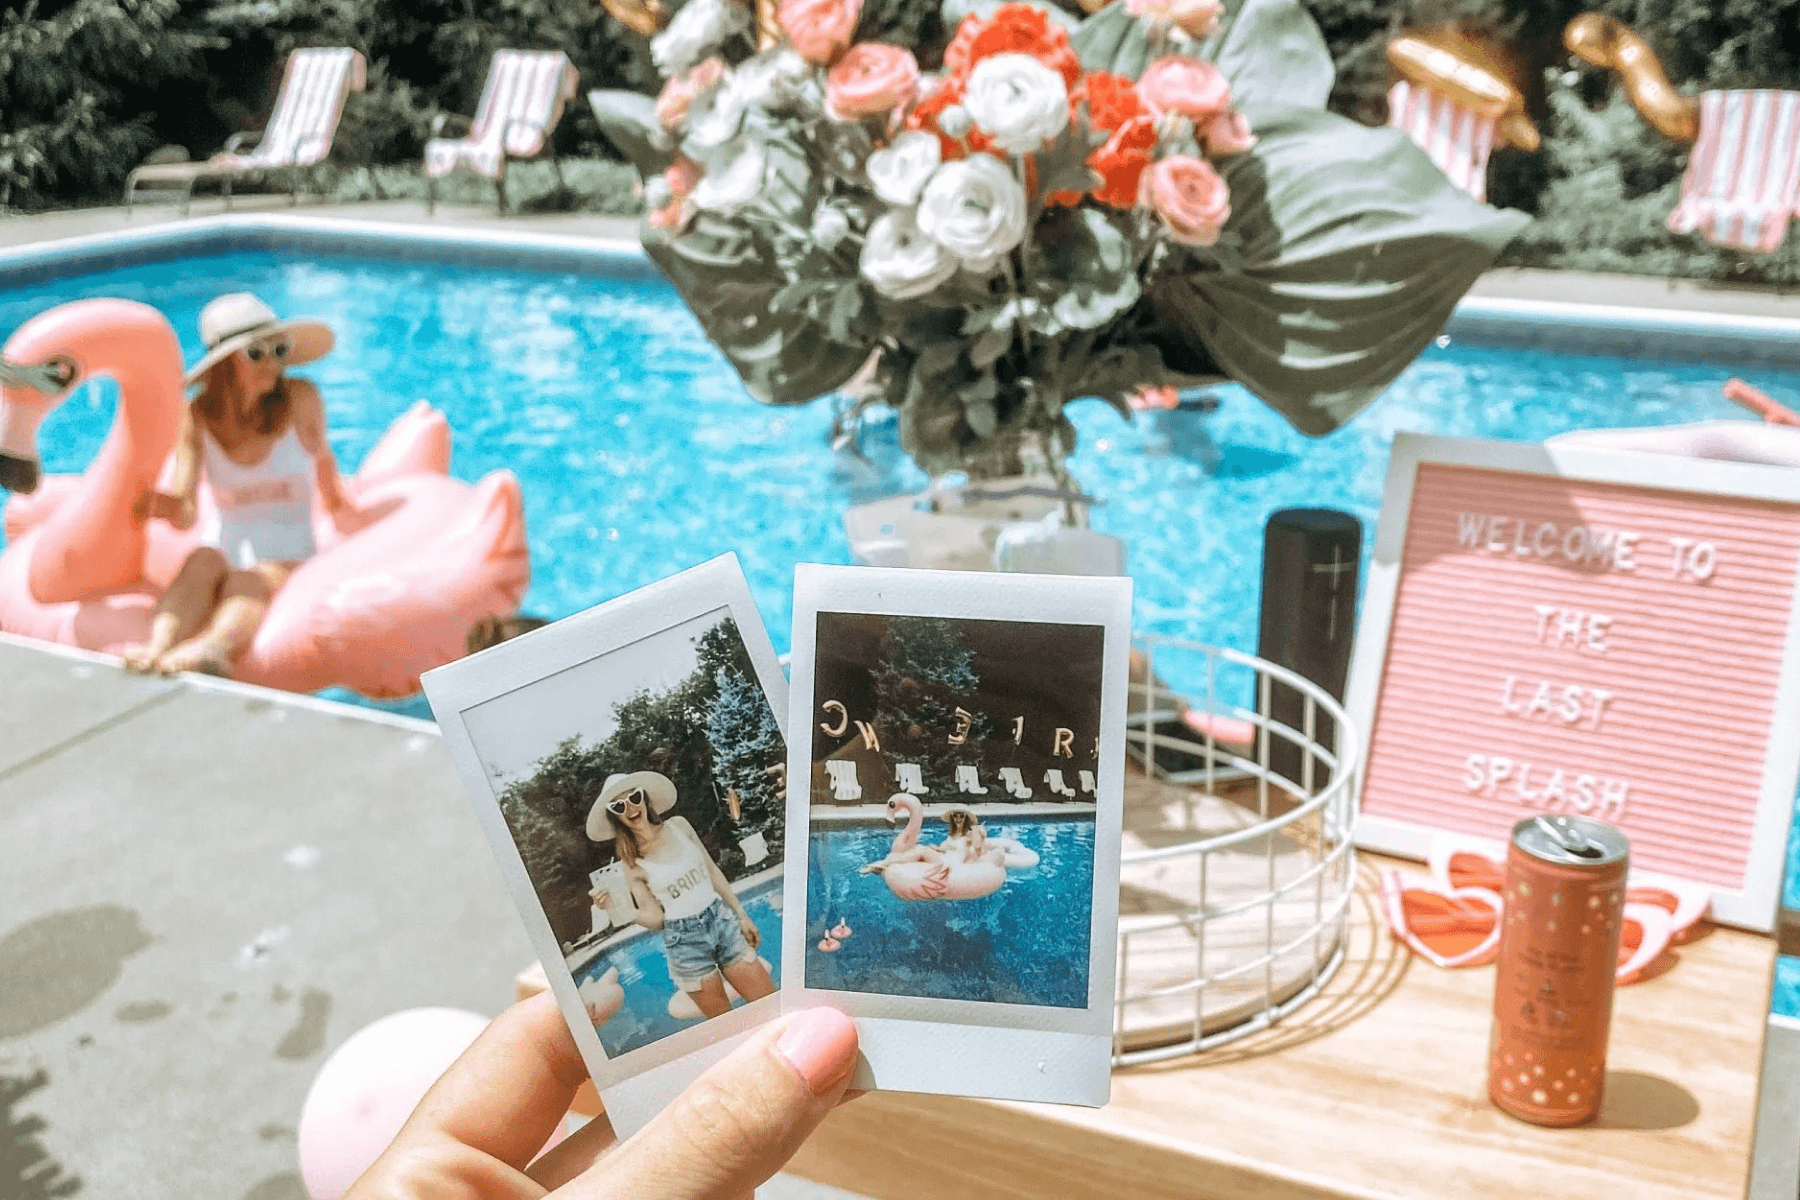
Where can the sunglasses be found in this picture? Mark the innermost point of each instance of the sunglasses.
(277, 351)
(618, 804)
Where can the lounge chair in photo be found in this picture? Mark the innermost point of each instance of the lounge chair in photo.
(299, 135)
(1455, 101)
(521, 103)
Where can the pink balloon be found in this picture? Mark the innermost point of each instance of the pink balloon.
(369, 1086)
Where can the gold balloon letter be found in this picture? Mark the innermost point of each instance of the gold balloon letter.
(870, 741)
(1064, 745)
(843, 719)
(963, 721)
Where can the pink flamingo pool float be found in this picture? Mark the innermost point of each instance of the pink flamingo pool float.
(913, 878)
(389, 595)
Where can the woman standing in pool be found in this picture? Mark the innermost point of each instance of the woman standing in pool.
(259, 438)
(678, 888)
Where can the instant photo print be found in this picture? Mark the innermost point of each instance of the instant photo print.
(628, 765)
(956, 784)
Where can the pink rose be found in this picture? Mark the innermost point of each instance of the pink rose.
(1194, 89)
(873, 79)
(683, 176)
(1190, 197)
(819, 29)
(679, 93)
(1227, 134)
(1197, 18)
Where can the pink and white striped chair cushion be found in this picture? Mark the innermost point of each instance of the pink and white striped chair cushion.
(1743, 176)
(307, 110)
(521, 104)
(1457, 139)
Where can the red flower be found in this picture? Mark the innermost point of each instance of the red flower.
(925, 113)
(1111, 100)
(1121, 161)
(1013, 29)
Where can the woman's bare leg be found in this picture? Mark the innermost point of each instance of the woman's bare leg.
(243, 602)
(751, 979)
(190, 599)
(710, 998)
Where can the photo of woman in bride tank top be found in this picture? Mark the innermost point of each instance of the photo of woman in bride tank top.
(677, 888)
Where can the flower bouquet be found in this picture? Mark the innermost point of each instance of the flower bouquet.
(1038, 209)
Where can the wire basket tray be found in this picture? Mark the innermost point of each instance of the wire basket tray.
(1238, 867)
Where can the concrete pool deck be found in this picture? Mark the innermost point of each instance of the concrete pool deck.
(207, 887)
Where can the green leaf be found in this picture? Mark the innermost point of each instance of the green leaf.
(982, 417)
(630, 123)
(1063, 166)
(788, 185)
(990, 346)
(1272, 52)
(937, 358)
(1113, 40)
(1355, 249)
(846, 305)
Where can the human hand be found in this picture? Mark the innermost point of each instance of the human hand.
(752, 934)
(475, 1132)
(602, 897)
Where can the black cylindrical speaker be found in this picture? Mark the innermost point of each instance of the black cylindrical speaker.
(1311, 561)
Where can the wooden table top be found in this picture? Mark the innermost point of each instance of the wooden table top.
(1374, 1090)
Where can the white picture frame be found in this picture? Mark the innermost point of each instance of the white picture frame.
(1751, 905)
(502, 709)
(918, 1043)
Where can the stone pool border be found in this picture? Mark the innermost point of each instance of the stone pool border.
(1629, 331)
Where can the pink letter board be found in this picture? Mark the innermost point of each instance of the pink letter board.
(1566, 629)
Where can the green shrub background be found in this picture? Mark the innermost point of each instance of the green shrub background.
(88, 87)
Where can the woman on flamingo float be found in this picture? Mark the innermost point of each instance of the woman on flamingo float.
(678, 888)
(258, 436)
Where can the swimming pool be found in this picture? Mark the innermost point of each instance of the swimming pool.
(644, 975)
(640, 454)
(1027, 943)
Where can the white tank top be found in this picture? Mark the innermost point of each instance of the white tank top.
(265, 508)
(679, 876)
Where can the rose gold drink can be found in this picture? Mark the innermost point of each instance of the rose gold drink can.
(1559, 949)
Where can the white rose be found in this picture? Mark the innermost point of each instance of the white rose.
(775, 82)
(975, 209)
(696, 31)
(899, 171)
(733, 178)
(714, 120)
(829, 226)
(1017, 101)
(656, 193)
(954, 122)
(900, 261)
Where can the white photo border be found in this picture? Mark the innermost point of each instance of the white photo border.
(967, 1047)
(460, 686)
(1751, 907)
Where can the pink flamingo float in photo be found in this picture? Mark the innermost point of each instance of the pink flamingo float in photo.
(391, 593)
(914, 872)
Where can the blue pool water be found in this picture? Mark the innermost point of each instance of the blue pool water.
(644, 975)
(1025, 944)
(640, 453)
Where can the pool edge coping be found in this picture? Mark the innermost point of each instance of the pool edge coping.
(1563, 325)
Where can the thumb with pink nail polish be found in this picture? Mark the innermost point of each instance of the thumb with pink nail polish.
(741, 1121)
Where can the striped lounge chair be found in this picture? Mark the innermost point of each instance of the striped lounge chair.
(523, 100)
(1457, 139)
(299, 135)
(1743, 176)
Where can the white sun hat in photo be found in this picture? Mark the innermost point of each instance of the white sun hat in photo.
(235, 320)
(656, 786)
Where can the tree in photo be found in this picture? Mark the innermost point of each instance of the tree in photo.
(746, 744)
(927, 674)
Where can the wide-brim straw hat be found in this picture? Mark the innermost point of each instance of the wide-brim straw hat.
(236, 319)
(657, 786)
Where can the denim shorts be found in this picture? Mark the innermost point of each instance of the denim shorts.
(699, 945)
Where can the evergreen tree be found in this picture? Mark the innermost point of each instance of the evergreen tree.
(746, 742)
(926, 674)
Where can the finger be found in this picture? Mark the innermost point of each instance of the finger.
(506, 1094)
(738, 1123)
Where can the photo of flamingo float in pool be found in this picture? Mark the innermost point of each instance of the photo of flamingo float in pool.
(952, 807)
